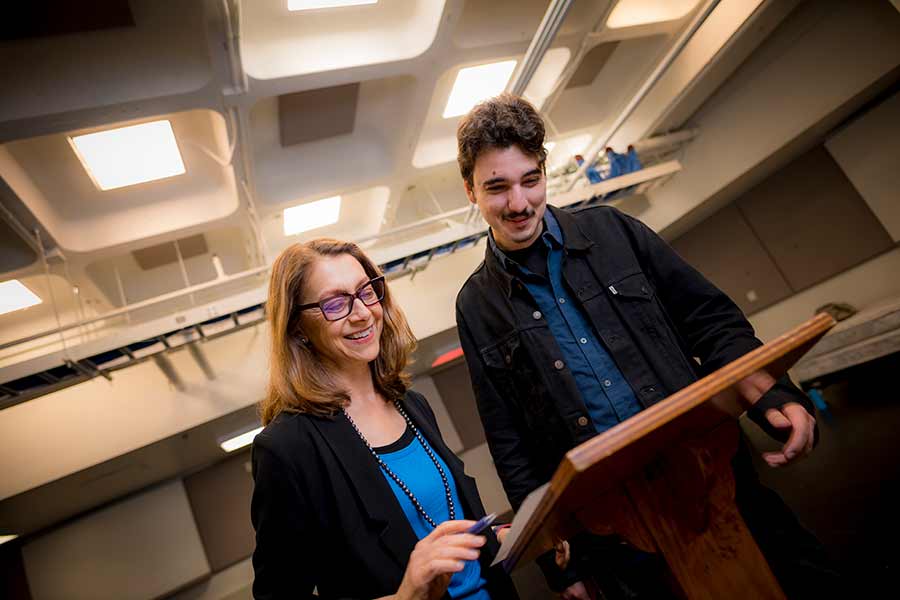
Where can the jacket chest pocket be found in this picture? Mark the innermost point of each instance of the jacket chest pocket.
(633, 297)
(501, 354)
(511, 370)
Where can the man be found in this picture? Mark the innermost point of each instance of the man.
(575, 322)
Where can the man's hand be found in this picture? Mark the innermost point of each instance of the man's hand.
(802, 425)
(576, 591)
(790, 417)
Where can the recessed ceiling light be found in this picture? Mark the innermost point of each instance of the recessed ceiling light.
(7, 538)
(629, 13)
(239, 441)
(128, 155)
(312, 215)
(474, 84)
(14, 295)
(311, 4)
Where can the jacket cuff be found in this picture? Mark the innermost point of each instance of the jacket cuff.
(557, 579)
(781, 393)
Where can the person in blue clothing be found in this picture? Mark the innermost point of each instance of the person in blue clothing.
(618, 163)
(632, 160)
(356, 494)
(591, 172)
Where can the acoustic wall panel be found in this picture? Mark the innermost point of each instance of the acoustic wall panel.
(455, 387)
(146, 546)
(868, 151)
(812, 220)
(220, 499)
(725, 250)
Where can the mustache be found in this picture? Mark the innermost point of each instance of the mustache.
(528, 212)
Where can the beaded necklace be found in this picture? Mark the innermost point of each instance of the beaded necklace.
(451, 508)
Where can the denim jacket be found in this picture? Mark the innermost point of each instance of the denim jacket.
(664, 324)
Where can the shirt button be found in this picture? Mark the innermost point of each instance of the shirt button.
(559, 365)
(583, 340)
(607, 382)
(582, 421)
(562, 300)
(536, 314)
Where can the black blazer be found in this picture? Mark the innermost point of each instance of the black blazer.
(326, 518)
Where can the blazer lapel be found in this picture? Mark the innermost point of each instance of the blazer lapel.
(374, 493)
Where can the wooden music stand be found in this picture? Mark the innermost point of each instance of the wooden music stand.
(663, 481)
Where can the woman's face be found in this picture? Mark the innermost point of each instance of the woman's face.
(354, 338)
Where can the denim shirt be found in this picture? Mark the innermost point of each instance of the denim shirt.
(604, 391)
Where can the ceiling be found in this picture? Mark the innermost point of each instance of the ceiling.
(272, 109)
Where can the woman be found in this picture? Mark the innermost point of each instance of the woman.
(356, 494)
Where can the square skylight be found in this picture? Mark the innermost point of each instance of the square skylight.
(128, 155)
(474, 84)
(14, 296)
(311, 215)
(629, 13)
(311, 4)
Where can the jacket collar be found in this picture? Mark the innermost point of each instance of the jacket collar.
(573, 240)
(372, 489)
(374, 493)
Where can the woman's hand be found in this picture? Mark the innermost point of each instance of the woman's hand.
(436, 558)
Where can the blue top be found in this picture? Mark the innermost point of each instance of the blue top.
(633, 162)
(408, 460)
(618, 164)
(606, 395)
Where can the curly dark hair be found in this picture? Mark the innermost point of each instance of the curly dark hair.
(499, 122)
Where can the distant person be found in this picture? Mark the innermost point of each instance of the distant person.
(592, 173)
(618, 163)
(356, 494)
(632, 160)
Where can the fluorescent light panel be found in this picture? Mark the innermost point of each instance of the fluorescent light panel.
(474, 84)
(629, 13)
(128, 155)
(14, 296)
(311, 4)
(239, 441)
(312, 215)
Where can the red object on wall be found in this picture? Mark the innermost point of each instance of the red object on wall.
(447, 357)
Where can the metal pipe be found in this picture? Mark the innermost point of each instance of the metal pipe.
(543, 37)
(654, 77)
(184, 273)
(402, 228)
(139, 305)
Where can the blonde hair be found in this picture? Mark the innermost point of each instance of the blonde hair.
(299, 381)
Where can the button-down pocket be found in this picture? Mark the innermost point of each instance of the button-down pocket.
(632, 287)
(501, 354)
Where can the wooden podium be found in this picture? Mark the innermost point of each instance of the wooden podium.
(663, 481)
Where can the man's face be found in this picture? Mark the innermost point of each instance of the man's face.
(510, 190)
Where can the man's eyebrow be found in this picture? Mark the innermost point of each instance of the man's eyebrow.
(536, 171)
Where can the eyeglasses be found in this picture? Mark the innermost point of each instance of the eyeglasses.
(337, 307)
